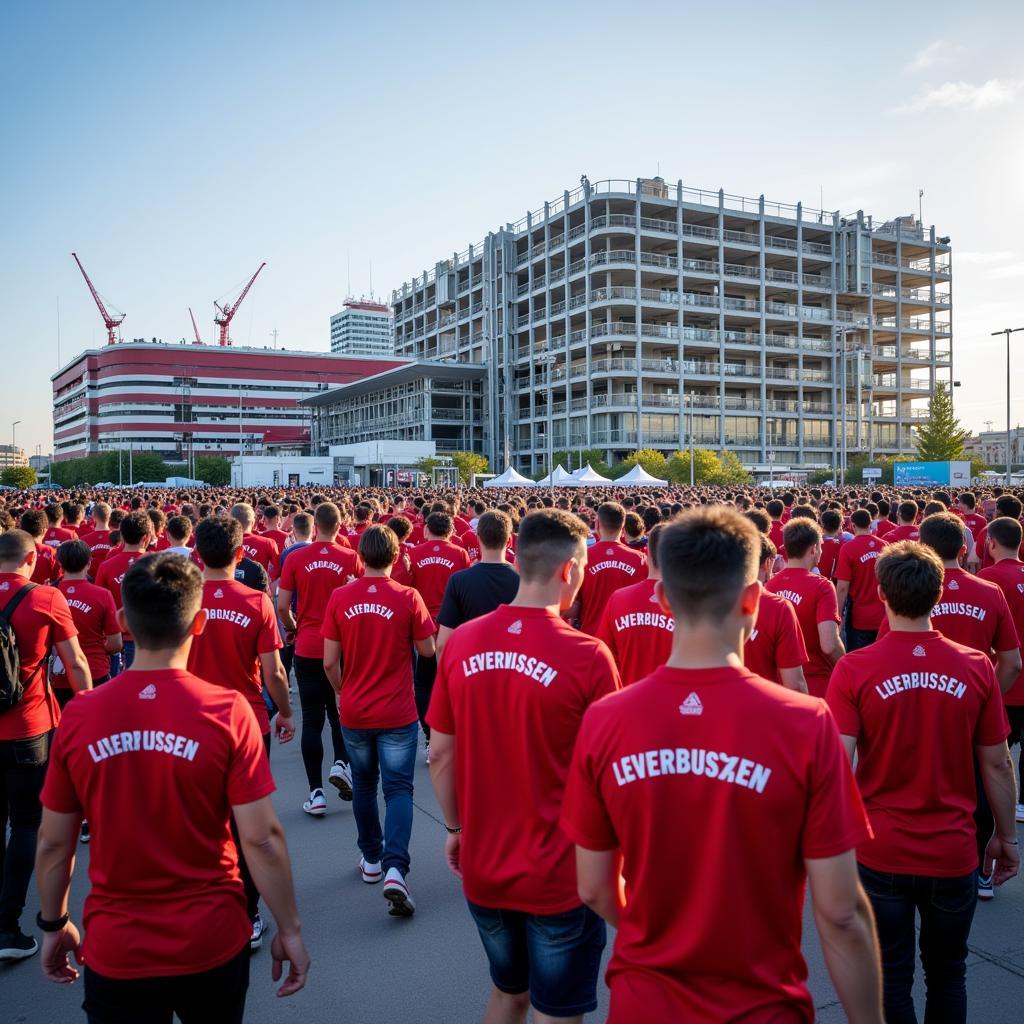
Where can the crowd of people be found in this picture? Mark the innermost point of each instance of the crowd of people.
(631, 702)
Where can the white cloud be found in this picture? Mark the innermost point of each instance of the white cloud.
(985, 258)
(964, 96)
(937, 52)
(1008, 270)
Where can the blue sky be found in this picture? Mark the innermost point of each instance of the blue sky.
(175, 147)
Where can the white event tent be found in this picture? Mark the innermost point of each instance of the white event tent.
(561, 478)
(639, 477)
(588, 477)
(510, 478)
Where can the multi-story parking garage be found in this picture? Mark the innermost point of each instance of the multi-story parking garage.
(632, 314)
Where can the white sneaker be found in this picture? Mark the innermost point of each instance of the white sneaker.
(1020, 812)
(396, 892)
(426, 756)
(985, 889)
(258, 931)
(316, 804)
(370, 871)
(341, 779)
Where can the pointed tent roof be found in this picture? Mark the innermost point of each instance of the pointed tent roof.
(639, 477)
(562, 478)
(588, 477)
(510, 478)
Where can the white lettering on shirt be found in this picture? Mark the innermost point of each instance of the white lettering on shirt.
(959, 608)
(868, 555)
(324, 564)
(622, 566)
(711, 764)
(634, 619)
(511, 661)
(446, 562)
(906, 681)
(229, 615)
(73, 602)
(143, 739)
(790, 595)
(369, 609)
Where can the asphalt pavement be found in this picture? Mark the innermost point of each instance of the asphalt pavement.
(369, 968)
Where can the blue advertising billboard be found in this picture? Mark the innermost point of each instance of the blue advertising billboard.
(929, 474)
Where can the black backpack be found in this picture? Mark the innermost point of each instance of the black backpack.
(12, 689)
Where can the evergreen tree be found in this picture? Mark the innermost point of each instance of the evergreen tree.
(941, 438)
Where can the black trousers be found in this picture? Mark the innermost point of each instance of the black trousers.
(423, 686)
(212, 997)
(319, 703)
(858, 638)
(252, 894)
(946, 909)
(22, 772)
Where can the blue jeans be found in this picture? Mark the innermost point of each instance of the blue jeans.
(127, 654)
(388, 754)
(946, 907)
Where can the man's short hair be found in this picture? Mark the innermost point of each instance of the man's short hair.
(803, 512)
(439, 524)
(861, 518)
(400, 527)
(799, 536)
(33, 522)
(907, 511)
(157, 518)
(54, 513)
(831, 520)
(74, 555)
(611, 516)
(775, 508)
(1006, 532)
(271, 512)
(101, 511)
(243, 512)
(135, 527)
(761, 520)
(179, 528)
(769, 552)
(967, 499)
(707, 557)
(546, 539)
(653, 539)
(327, 517)
(910, 575)
(1008, 505)
(218, 539)
(943, 532)
(161, 595)
(378, 547)
(493, 530)
(634, 526)
(302, 524)
(15, 545)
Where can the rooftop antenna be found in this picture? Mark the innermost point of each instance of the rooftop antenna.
(371, 280)
(273, 334)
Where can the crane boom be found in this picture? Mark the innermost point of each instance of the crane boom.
(199, 340)
(228, 310)
(109, 321)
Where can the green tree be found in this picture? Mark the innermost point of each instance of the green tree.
(707, 467)
(652, 461)
(940, 437)
(18, 476)
(469, 463)
(213, 469)
(732, 471)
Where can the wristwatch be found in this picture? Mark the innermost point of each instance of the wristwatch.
(51, 926)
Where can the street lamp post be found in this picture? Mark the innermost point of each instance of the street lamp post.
(1008, 331)
(14, 426)
(689, 401)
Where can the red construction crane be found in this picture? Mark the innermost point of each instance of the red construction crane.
(110, 322)
(199, 340)
(228, 310)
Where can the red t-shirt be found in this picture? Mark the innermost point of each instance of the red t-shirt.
(112, 571)
(981, 544)
(775, 535)
(972, 612)
(376, 614)
(166, 894)
(512, 687)
(883, 528)
(433, 563)
(856, 566)
(240, 626)
(47, 568)
(776, 641)
(905, 531)
(263, 549)
(918, 704)
(41, 620)
(1008, 575)
(763, 771)
(611, 565)
(974, 523)
(637, 631)
(829, 556)
(95, 618)
(313, 573)
(99, 545)
(279, 537)
(814, 600)
(56, 535)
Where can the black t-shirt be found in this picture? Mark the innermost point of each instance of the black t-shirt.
(476, 591)
(252, 574)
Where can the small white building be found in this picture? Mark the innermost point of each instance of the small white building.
(281, 471)
(381, 463)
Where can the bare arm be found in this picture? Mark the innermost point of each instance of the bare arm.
(442, 775)
(332, 663)
(846, 928)
(55, 861)
(284, 609)
(443, 633)
(599, 880)
(266, 855)
(75, 664)
(830, 642)
(842, 594)
(997, 776)
(1008, 666)
(793, 679)
(113, 643)
(426, 648)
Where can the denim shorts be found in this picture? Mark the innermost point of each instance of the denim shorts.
(554, 957)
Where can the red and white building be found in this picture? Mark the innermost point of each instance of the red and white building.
(181, 400)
